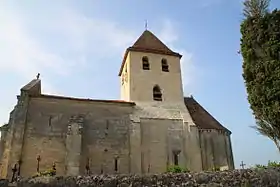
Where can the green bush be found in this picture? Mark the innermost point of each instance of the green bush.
(271, 164)
(216, 169)
(50, 172)
(176, 169)
(259, 166)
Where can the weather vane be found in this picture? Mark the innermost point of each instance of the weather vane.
(146, 25)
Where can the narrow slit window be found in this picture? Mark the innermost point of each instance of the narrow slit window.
(145, 63)
(125, 70)
(116, 165)
(107, 124)
(176, 159)
(157, 95)
(164, 65)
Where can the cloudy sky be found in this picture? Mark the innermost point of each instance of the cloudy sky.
(77, 46)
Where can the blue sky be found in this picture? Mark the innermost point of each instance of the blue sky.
(77, 46)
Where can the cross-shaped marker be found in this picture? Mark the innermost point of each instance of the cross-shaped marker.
(242, 165)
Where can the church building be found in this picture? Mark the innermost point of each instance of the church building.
(151, 128)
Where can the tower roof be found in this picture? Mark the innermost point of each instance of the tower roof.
(149, 43)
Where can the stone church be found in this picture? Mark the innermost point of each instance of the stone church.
(152, 127)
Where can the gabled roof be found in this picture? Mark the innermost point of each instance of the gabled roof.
(201, 117)
(149, 43)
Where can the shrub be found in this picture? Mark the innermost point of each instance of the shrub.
(176, 169)
(216, 169)
(271, 164)
(259, 166)
(50, 172)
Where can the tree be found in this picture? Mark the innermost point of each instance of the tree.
(255, 8)
(260, 48)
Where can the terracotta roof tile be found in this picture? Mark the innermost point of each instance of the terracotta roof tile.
(201, 117)
(149, 43)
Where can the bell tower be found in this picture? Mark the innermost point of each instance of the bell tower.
(151, 72)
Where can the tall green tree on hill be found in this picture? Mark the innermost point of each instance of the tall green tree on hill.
(260, 48)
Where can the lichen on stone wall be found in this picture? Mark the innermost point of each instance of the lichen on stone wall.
(236, 178)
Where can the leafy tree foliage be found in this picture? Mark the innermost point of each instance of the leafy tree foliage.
(255, 8)
(260, 48)
(270, 164)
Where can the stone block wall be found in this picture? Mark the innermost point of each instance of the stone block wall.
(215, 149)
(103, 142)
(165, 139)
(81, 136)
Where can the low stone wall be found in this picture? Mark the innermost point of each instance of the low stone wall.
(235, 178)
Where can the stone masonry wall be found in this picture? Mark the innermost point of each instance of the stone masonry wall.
(234, 178)
(105, 136)
(162, 139)
(115, 138)
(216, 151)
(167, 129)
(14, 136)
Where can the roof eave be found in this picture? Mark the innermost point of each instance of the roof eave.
(221, 129)
(84, 99)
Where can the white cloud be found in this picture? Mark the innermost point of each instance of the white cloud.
(19, 52)
(88, 34)
(25, 54)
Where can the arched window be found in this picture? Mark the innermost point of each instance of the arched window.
(157, 95)
(145, 63)
(164, 65)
